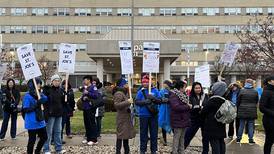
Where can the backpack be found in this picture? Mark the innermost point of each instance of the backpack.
(227, 112)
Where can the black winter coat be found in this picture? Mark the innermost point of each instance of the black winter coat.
(247, 104)
(68, 107)
(10, 100)
(267, 102)
(212, 128)
(195, 113)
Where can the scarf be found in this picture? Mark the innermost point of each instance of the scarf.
(183, 97)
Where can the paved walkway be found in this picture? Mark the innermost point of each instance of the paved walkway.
(109, 140)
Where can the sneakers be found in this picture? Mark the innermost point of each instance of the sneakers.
(238, 141)
(90, 143)
(2, 139)
(13, 138)
(69, 136)
(47, 153)
(230, 137)
(251, 142)
(84, 141)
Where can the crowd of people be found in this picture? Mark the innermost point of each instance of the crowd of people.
(172, 109)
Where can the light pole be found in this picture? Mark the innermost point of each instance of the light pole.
(206, 58)
(12, 63)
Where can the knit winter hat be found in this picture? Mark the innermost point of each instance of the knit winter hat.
(121, 83)
(31, 84)
(168, 83)
(55, 77)
(219, 88)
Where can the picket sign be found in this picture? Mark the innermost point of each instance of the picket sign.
(67, 53)
(29, 64)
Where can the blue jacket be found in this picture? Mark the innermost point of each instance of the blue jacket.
(30, 119)
(164, 112)
(143, 111)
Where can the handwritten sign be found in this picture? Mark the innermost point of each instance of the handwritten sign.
(126, 57)
(151, 57)
(28, 62)
(202, 75)
(67, 54)
(229, 54)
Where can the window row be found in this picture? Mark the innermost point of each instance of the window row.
(42, 47)
(65, 29)
(141, 11)
(192, 47)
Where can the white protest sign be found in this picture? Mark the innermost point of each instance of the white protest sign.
(229, 54)
(151, 57)
(3, 69)
(67, 54)
(126, 57)
(202, 75)
(28, 62)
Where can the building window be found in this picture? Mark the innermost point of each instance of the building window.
(2, 11)
(82, 12)
(82, 29)
(211, 47)
(189, 47)
(146, 12)
(167, 11)
(190, 29)
(55, 47)
(40, 29)
(18, 11)
(61, 11)
(60, 29)
(211, 11)
(104, 12)
(40, 12)
(40, 47)
(232, 11)
(189, 11)
(18, 29)
(254, 11)
(168, 29)
(81, 47)
(124, 12)
(13, 47)
(270, 11)
(102, 29)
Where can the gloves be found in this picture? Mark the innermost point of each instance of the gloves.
(164, 100)
(147, 101)
(151, 97)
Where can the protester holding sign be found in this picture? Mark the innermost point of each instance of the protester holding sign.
(148, 114)
(125, 129)
(10, 100)
(34, 119)
(54, 112)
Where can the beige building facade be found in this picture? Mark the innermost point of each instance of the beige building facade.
(203, 26)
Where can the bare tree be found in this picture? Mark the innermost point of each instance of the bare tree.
(47, 68)
(257, 45)
(218, 67)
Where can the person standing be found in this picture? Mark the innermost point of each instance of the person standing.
(267, 108)
(68, 109)
(247, 110)
(164, 110)
(148, 115)
(10, 100)
(91, 99)
(54, 112)
(34, 118)
(100, 110)
(197, 99)
(232, 95)
(179, 115)
(215, 131)
(124, 126)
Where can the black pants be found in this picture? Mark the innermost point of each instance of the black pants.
(218, 146)
(119, 146)
(164, 135)
(231, 127)
(269, 134)
(90, 125)
(99, 125)
(42, 134)
(191, 132)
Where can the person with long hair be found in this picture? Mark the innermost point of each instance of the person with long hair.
(10, 100)
(179, 115)
(197, 99)
(267, 108)
(124, 126)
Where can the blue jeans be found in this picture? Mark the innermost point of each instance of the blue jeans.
(54, 125)
(250, 125)
(5, 123)
(148, 124)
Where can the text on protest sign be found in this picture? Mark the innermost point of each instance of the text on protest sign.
(151, 57)
(67, 54)
(28, 62)
(202, 75)
(229, 54)
(126, 57)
